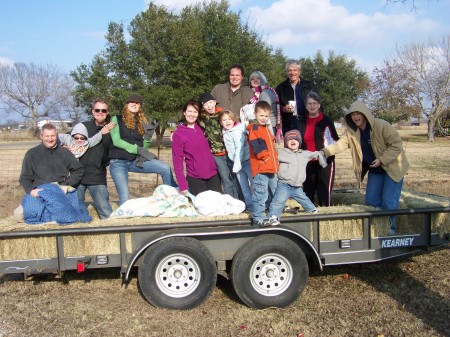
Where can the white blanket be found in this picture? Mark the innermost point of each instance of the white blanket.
(212, 203)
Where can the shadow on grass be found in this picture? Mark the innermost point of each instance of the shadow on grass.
(226, 286)
(411, 295)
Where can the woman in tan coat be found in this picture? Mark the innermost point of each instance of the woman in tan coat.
(376, 148)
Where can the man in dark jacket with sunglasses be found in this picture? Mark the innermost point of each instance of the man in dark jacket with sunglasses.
(95, 161)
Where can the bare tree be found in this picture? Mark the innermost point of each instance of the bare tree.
(391, 96)
(422, 71)
(413, 3)
(34, 91)
(428, 66)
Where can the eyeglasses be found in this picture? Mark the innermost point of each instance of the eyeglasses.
(101, 110)
(79, 138)
(313, 103)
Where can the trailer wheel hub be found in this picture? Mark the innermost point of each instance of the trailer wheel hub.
(271, 274)
(177, 275)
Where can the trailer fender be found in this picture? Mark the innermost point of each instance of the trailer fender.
(298, 238)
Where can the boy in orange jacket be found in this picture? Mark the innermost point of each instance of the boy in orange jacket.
(263, 163)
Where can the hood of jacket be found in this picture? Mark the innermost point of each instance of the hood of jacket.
(239, 127)
(80, 128)
(262, 77)
(358, 106)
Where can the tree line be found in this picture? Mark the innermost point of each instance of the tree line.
(170, 57)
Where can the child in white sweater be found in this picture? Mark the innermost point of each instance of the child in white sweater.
(236, 144)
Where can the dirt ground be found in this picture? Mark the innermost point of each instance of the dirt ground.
(401, 297)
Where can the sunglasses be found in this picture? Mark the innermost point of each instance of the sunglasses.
(101, 110)
(79, 138)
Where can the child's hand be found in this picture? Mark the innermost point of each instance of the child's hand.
(322, 159)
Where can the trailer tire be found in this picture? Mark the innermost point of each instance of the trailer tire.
(269, 271)
(177, 273)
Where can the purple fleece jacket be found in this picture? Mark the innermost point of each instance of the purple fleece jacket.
(191, 145)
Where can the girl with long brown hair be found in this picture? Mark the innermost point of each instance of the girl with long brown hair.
(128, 153)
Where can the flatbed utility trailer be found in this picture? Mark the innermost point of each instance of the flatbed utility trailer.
(178, 263)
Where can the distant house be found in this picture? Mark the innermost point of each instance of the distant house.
(59, 124)
(20, 127)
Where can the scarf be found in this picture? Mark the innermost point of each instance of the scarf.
(255, 98)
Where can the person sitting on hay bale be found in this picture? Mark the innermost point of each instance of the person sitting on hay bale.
(131, 139)
(43, 165)
(376, 147)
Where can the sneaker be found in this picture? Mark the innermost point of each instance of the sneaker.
(289, 210)
(273, 221)
(315, 211)
(262, 223)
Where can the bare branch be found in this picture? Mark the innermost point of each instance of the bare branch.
(414, 7)
(34, 91)
(425, 73)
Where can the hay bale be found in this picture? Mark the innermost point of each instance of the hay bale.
(346, 228)
(28, 248)
(80, 245)
(440, 222)
(99, 244)
(354, 201)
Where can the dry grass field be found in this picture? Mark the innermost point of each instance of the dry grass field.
(402, 297)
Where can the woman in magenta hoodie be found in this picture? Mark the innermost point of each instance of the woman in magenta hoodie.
(191, 148)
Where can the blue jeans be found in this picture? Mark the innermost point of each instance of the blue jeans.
(100, 197)
(119, 169)
(263, 184)
(244, 176)
(384, 193)
(283, 193)
(227, 177)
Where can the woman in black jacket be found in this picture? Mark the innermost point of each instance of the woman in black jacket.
(318, 131)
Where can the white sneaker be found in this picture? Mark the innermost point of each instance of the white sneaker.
(274, 221)
(315, 211)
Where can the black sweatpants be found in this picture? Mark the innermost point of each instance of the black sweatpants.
(198, 185)
(320, 180)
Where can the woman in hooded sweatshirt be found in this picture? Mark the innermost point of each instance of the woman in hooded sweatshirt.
(263, 92)
(78, 141)
(190, 147)
(377, 148)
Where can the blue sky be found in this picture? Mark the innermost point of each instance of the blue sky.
(68, 33)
